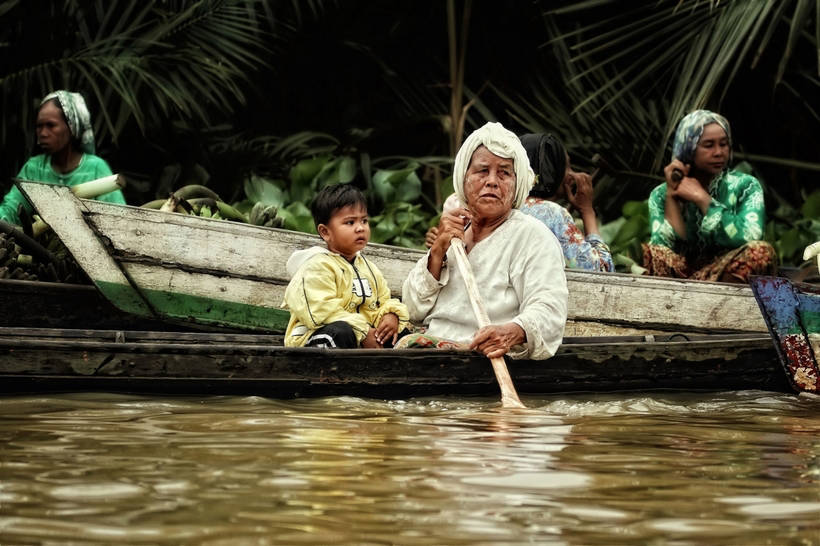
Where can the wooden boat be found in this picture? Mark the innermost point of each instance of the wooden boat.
(792, 313)
(186, 268)
(49, 360)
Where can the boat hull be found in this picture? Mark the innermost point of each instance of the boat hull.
(159, 363)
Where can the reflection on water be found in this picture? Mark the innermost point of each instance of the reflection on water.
(731, 468)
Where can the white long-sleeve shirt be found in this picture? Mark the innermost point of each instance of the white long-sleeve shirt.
(519, 271)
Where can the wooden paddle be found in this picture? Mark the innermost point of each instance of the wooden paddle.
(509, 398)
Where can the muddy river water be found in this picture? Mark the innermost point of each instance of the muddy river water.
(660, 468)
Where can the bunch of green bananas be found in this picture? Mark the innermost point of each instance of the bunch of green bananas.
(265, 215)
(202, 201)
(45, 259)
(12, 260)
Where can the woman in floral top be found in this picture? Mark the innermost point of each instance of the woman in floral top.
(556, 179)
(706, 220)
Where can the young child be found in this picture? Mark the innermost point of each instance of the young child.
(336, 297)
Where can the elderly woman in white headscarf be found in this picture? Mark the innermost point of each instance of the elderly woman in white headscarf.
(517, 261)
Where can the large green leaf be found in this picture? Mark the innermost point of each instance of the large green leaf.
(297, 217)
(303, 178)
(339, 170)
(636, 208)
(261, 190)
(400, 224)
(792, 243)
(610, 230)
(634, 229)
(811, 207)
(383, 229)
(398, 185)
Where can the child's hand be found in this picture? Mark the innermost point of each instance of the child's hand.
(388, 329)
(370, 341)
(430, 236)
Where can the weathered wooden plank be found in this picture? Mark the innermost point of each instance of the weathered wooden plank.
(267, 293)
(264, 369)
(219, 247)
(692, 351)
(653, 302)
(261, 253)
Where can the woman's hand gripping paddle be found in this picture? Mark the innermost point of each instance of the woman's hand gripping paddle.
(509, 398)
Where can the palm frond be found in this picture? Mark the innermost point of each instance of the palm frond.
(670, 55)
(132, 60)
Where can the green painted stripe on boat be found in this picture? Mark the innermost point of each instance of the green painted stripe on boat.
(204, 310)
(124, 297)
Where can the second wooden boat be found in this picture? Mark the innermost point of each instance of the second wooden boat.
(186, 268)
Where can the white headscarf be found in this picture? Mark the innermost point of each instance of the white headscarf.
(503, 143)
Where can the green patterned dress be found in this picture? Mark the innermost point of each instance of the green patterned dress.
(726, 240)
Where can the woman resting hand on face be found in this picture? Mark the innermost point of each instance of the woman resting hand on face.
(65, 136)
(706, 220)
(516, 260)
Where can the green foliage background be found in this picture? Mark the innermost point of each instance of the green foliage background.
(268, 100)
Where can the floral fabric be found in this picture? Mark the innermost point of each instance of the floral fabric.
(426, 341)
(590, 253)
(736, 265)
(736, 216)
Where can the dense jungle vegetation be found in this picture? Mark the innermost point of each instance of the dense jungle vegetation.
(265, 101)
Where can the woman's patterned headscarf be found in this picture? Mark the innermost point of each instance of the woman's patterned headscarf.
(548, 158)
(689, 131)
(503, 143)
(77, 116)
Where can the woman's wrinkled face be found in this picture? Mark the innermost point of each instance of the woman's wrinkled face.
(489, 184)
(712, 152)
(53, 134)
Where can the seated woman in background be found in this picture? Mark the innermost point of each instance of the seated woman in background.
(554, 179)
(706, 220)
(64, 133)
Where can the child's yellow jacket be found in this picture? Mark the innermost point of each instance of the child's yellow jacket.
(325, 288)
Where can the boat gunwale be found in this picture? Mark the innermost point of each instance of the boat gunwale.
(203, 342)
(103, 208)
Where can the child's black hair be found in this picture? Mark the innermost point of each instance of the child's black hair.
(332, 198)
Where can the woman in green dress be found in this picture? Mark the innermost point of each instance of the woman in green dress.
(707, 220)
(65, 136)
